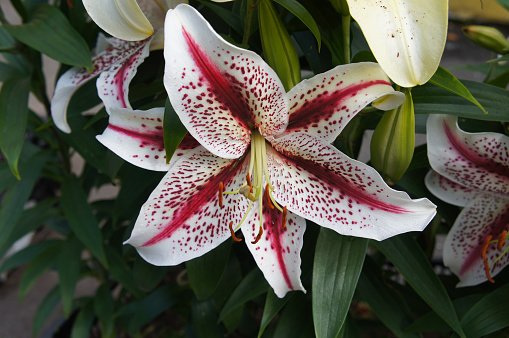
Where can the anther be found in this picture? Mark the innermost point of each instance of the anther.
(248, 180)
(284, 217)
(220, 194)
(487, 270)
(501, 240)
(267, 197)
(485, 246)
(233, 233)
(260, 233)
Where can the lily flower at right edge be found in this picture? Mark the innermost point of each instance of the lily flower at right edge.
(471, 170)
(407, 37)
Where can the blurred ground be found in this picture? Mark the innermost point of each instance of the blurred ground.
(16, 316)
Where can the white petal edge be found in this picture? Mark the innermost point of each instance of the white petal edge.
(449, 191)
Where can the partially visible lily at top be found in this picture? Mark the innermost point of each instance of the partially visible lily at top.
(471, 170)
(407, 37)
(136, 29)
(256, 158)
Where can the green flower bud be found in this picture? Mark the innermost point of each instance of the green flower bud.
(393, 142)
(278, 48)
(487, 37)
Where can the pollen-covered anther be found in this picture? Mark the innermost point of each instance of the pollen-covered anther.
(221, 191)
(233, 233)
(247, 192)
(487, 270)
(267, 197)
(248, 180)
(285, 215)
(501, 240)
(260, 233)
(485, 246)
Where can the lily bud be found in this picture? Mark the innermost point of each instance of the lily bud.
(341, 6)
(278, 48)
(393, 142)
(487, 37)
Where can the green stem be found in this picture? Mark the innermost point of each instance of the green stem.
(249, 19)
(345, 23)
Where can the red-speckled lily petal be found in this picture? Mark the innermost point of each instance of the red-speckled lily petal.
(182, 219)
(137, 137)
(324, 104)
(318, 182)
(486, 215)
(277, 253)
(113, 84)
(220, 92)
(448, 191)
(117, 53)
(477, 161)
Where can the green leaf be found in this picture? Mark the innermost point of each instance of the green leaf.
(435, 100)
(103, 308)
(7, 42)
(231, 19)
(48, 259)
(389, 306)
(174, 130)
(153, 305)
(302, 13)
(504, 3)
(337, 266)
(85, 318)
(204, 316)
(296, 319)
(406, 255)
(488, 315)
(443, 78)
(253, 285)
(17, 195)
(273, 304)
(49, 32)
(45, 309)
(148, 276)
(81, 219)
(13, 119)
(26, 255)
(69, 264)
(204, 272)
(121, 272)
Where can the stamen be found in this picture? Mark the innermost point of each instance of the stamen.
(284, 217)
(501, 240)
(220, 194)
(485, 246)
(487, 270)
(260, 233)
(233, 233)
(267, 197)
(248, 179)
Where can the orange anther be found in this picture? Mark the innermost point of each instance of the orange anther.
(487, 270)
(485, 246)
(220, 194)
(501, 240)
(267, 197)
(284, 217)
(69, 3)
(248, 180)
(233, 233)
(260, 233)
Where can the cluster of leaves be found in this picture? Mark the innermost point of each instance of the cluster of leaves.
(394, 288)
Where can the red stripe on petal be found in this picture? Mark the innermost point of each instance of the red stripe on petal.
(206, 193)
(275, 232)
(335, 180)
(224, 86)
(473, 156)
(149, 138)
(324, 106)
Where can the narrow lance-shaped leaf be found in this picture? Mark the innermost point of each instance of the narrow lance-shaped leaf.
(338, 264)
(45, 309)
(69, 264)
(13, 119)
(49, 32)
(173, 131)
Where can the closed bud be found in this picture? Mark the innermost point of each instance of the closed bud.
(393, 142)
(278, 48)
(487, 37)
(341, 6)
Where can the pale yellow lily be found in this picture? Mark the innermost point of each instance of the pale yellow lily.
(407, 37)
